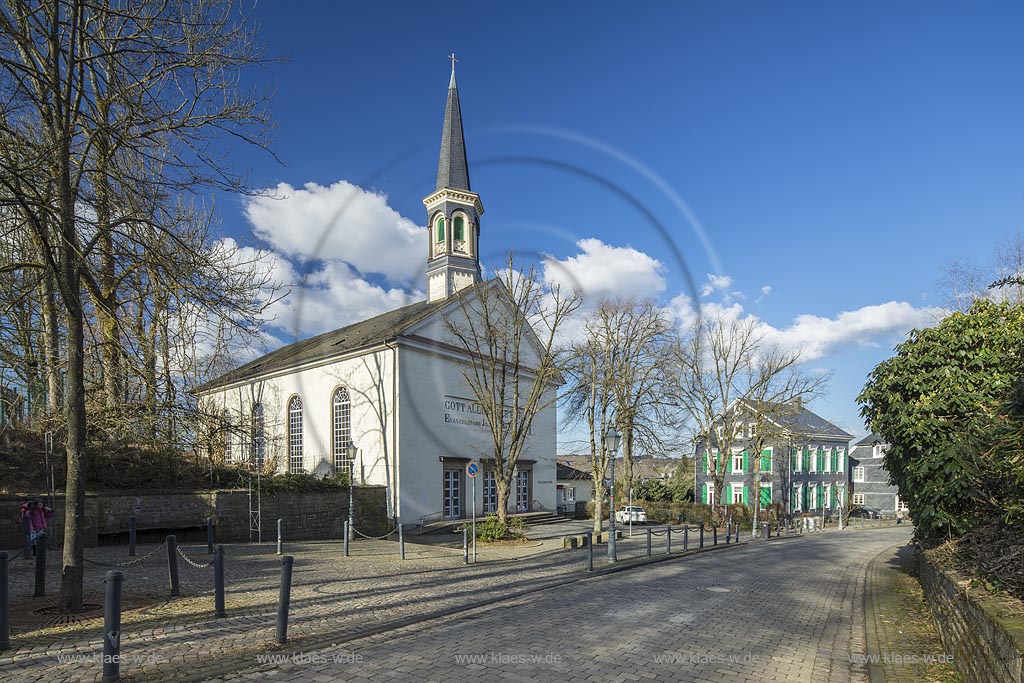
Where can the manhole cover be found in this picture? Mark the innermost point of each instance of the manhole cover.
(718, 589)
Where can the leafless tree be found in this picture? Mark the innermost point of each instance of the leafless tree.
(508, 329)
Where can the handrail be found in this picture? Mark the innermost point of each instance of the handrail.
(538, 506)
(429, 518)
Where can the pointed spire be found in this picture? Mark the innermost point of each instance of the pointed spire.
(452, 169)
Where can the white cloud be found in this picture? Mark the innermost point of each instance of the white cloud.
(342, 222)
(715, 283)
(766, 290)
(601, 270)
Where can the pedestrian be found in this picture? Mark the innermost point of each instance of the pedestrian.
(899, 516)
(38, 515)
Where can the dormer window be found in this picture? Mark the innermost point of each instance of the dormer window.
(440, 229)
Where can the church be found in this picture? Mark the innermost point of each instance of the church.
(386, 398)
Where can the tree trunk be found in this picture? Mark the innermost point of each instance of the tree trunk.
(51, 348)
(598, 506)
(502, 486)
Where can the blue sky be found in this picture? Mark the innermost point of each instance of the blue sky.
(823, 161)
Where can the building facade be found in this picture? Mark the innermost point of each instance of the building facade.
(801, 467)
(868, 477)
(386, 398)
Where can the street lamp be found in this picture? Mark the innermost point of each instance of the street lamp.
(612, 439)
(352, 451)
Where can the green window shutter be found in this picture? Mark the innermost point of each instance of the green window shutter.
(745, 501)
(746, 463)
(805, 458)
(704, 494)
(766, 496)
(793, 464)
(766, 460)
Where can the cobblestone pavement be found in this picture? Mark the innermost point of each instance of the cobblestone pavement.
(902, 640)
(334, 600)
(785, 611)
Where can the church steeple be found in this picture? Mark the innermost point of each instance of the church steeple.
(452, 169)
(453, 210)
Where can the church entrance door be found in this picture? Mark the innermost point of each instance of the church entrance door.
(523, 491)
(452, 493)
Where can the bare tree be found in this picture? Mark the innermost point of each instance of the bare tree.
(508, 329)
(720, 363)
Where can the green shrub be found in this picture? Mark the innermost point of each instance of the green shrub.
(493, 529)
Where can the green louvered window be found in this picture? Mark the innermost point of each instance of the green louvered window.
(458, 228)
(835, 459)
(766, 460)
(794, 460)
(806, 460)
(745, 500)
(440, 229)
(821, 459)
(766, 496)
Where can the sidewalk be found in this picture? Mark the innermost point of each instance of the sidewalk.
(902, 643)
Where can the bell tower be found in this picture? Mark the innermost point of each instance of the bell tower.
(453, 211)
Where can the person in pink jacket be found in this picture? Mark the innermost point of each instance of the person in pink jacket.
(37, 515)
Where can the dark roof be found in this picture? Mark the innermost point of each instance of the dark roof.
(452, 169)
(803, 421)
(870, 440)
(334, 343)
(566, 471)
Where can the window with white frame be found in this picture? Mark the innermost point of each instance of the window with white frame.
(737, 462)
(737, 494)
(341, 429)
(858, 499)
(295, 434)
(877, 451)
(258, 441)
(858, 474)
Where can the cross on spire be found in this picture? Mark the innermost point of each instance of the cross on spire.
(452, 57)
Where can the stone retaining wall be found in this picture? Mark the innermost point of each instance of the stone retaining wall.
(986, 647)
(306, 515)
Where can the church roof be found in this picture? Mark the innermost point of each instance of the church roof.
(328, 345)
(452, 169)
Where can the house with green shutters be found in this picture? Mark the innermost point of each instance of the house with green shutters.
(799, 461)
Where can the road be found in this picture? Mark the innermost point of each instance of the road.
(790, 610)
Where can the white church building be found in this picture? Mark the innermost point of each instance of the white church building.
(392, 386)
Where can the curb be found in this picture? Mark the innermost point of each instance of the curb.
(875, 672)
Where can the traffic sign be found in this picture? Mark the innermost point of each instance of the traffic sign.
(472, 469)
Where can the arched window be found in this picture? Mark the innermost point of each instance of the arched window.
(259, 442)
(440, 229)
(226, 435)
(458, 228)
(341, 429)
(295, 434)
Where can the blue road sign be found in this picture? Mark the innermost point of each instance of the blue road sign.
(472, 469)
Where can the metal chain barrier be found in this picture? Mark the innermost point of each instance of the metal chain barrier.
(130, 563)
(192, 562)
(374, 538)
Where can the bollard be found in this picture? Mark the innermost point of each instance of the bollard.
(768, 530)
(209, 535)
(465, 545)
(172, 565)
(218, 582)
(112, 626)
(714, 535)
(346, 538)
(5, 624)
(686, 538)
(27, 552)
(131, 536)
(280, 541)
(401, 543)
(702, 534)
(590, 551)
(668, 540)
(284, 598)
(728, 532)
(40, 565)
(648, 541)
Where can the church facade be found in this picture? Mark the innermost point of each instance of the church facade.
(386, 398)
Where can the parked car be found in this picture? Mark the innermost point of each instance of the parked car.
(864, 512)
(631, 513)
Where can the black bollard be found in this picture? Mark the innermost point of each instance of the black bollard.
(172, 565)
(284, 598)
(218, 582)
(686, 538)
(27, 552)
(465, 545)
(346, 538)
(590, 551)
(648, 541)
(714, 535)
(209, 535)
(5, 624)
(702, 534)
(131, 536)
(668, 540)
(40, 565)
(280, 543)
(112, 626)
(401, 543)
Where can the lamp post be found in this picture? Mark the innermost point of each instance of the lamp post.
(612, 439)
(352, 452)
